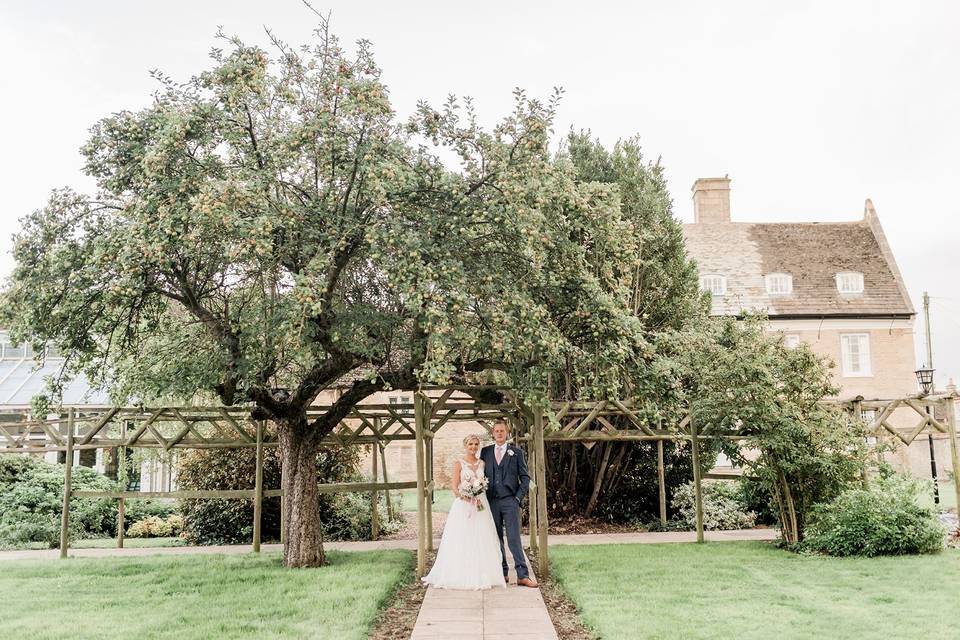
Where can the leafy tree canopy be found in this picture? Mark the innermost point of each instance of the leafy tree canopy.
(740, 380)
(270, 225)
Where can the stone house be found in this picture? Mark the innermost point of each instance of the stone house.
(832, 285)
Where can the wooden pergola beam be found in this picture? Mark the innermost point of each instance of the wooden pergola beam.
(379, 424)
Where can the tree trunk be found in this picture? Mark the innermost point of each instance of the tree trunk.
(303, 540)
(598, 480)
(782, 513)
(791, 510)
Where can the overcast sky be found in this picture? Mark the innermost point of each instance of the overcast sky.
(810, 107)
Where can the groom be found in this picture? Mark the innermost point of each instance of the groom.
(506, 471)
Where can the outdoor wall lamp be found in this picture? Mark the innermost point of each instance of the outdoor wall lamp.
(925, 378)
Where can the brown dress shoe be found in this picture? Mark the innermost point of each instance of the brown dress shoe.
(527, 582)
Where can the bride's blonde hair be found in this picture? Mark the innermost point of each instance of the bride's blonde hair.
(470, 438)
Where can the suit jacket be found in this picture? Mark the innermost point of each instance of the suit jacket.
(514, 479)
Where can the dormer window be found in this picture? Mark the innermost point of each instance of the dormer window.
(716, 285)
(850, 282)
(779, 283)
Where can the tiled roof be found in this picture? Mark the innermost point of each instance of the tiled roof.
(813, 253)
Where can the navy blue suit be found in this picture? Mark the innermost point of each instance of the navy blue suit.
(509, 483)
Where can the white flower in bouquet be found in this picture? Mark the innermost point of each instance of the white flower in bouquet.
(474, 488)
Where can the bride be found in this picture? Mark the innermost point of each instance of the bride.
(469, 553)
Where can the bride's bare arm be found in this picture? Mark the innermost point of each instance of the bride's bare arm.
(455, 477)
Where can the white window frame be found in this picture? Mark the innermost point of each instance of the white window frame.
(847, 277)
(10, 351)
(779, 277)
(397, 400)
(721, 280)
(846, 357)
(791, 340)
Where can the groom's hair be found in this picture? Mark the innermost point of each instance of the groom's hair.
(502, 421)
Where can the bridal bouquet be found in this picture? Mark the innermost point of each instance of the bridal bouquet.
(474, 488)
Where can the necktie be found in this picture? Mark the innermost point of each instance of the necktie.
(499, 454)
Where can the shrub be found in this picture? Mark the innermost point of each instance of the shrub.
(156, 527)
(344, 516)
(31, 498)
(722, 506)
(137, 510)
(149, 527)
(349, 517)
(25, 528)
(885, 519)
(177, 523)
(755, 497)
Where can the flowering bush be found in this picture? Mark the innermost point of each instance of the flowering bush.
(722, 506)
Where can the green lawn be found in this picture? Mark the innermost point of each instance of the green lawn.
(105, 543)
(754, 590)
(129, 543)
(443, 498)
(200, 596)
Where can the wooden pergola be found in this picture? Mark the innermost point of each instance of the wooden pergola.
(174, 428)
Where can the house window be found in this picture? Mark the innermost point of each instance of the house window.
(850, 282)
(779, 283)
(791, 340)
(400, 400)
(716, 285)
(855, 354)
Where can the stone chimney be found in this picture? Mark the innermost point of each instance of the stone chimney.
(711, 200)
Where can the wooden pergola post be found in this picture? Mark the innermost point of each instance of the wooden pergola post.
(67, 487)
(122, 475)
(540, 477)
(532, 517)
(386, 478)
(697, 488)
(374, 496)
(661, 484)
(420, 417)
(283, 513)
(428, 458)
(857, 410)
(954, 452)
(258, 489)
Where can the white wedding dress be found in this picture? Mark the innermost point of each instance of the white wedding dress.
(469, 553)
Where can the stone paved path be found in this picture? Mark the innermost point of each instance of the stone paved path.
(514, 613)
(593, 538)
